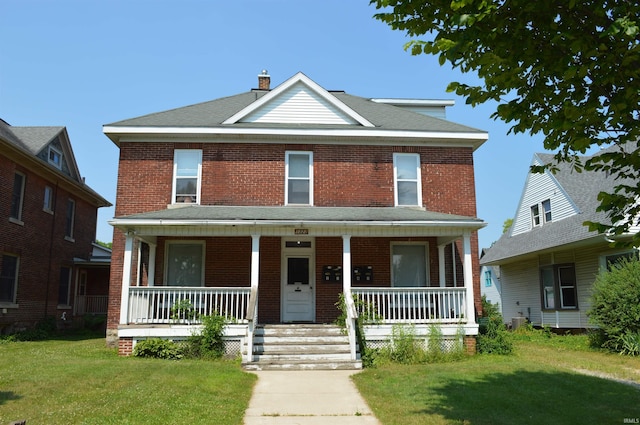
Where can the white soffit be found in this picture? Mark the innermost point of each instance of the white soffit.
(299, 100)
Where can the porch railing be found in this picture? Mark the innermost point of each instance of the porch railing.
(91, 304)
(155, 304)
(411, 305)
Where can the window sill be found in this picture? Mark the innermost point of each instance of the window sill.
(5, 305)
(69, 239)
(48, 211)
(182, 205)
(16, 221)
(551, 310)
(64, 307)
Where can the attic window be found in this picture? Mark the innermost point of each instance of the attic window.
(55, 157)
(541, 213)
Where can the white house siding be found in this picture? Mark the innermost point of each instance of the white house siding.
(491, 292)
(521, 284)
(538, 188)
(299, 105)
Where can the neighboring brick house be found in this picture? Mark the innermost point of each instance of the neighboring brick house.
(548, 259)
(276, 201)
(47, 230)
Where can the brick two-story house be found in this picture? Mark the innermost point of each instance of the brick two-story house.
(48, 216)
(267, 205)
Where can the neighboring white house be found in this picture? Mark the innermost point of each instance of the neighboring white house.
(490, 285)
(549, 259)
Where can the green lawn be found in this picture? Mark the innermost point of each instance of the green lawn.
(538, 385)
(82, 382)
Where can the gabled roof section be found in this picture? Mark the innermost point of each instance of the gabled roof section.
(582, 189)
(281, 106)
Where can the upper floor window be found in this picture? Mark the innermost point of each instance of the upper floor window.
(70, 219)
(409, 265)
(55, 157)
(558, 285)
(299, 178)
(8, 279)
(47, 203)
(17, 197)
(407, 180)
(541, 213)
(187, 171)
(487, 278)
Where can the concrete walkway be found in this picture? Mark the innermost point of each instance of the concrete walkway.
(315, 397)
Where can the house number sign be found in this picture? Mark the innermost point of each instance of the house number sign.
(301, 231)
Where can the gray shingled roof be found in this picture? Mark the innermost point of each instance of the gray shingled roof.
(36, 138)
(215, 112)
(293, 213)
(583, 189)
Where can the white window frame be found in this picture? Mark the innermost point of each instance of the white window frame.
(487, 279)
(13, 218)
(197, 176)
(287, 177)
(11, 303)
(546, 210)
(70, 221)
(541, 213)
(427, 282)
(56, 161)
(536, 220)
(47, 204)
(397, 180)
(203, 253)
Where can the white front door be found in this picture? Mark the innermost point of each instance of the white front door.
(298, 295)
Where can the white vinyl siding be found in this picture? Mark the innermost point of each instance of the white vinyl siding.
(299, 105)
(539, 188)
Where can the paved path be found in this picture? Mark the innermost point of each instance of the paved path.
(315, 397)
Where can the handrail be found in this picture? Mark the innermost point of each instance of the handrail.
(253, 300)
(350, 321)
(252, 318)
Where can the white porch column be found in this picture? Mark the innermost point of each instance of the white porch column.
(468, 278)
(255, 260)
(151, 278)
(346, 264)
(441, 272)
(126, 278)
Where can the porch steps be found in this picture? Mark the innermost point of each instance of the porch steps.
(301, 347)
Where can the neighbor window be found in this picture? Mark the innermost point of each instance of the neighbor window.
(187, 171)
(611, 260)
(48, 199)
(406, 176)
(70, 219)
(299, 178)
(541, 213)
(487, 278)
(409, 265)
(558, 286)
(55, 157)
(185, 264)
(17, 197)
(65, 286)
(8, 279)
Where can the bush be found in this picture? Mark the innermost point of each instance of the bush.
(208, 344)
(615, 304)
(493, 336)
(158, 348)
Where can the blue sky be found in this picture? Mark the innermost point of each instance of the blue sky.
(83, 64)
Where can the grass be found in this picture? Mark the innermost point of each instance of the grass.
(81, 382)
(538, 384)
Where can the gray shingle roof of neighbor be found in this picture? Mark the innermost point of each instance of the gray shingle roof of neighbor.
(294, 213)
(36, 138)
(215, 112)
(583, 188)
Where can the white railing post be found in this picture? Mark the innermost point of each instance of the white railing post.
(126, 279)
(470, 313)
(352, 314)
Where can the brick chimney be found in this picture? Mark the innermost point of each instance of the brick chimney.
(264, 80)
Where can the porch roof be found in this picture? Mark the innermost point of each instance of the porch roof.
(301, 216)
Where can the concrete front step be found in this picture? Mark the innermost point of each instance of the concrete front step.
(301, 347)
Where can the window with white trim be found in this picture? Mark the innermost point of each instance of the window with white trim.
(541, 213)
(17, 198)
(55, 157)
(558, 285)
(299, 178)
(407, 179)
(47, 203)
(487, 279)
(187, 173)
(9, 278)
(64, 290)
(185, 264)
(409, 265)
(70, 219)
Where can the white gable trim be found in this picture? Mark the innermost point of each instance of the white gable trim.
(313, 86)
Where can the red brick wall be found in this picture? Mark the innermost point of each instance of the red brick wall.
(253, 174)
(41, 245)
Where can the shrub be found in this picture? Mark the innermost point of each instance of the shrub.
(615, 303)
(158, 348)
(208, 343)
(183, 311)
(493, 337)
